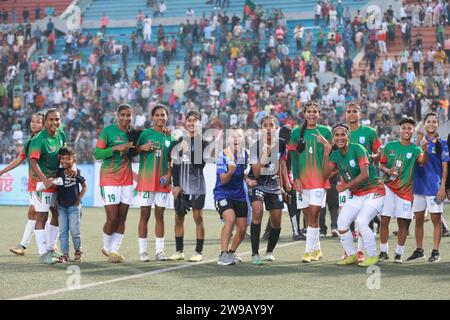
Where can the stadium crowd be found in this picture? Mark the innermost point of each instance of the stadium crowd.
(243, 72)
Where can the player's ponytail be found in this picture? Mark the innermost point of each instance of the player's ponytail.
(301, 143)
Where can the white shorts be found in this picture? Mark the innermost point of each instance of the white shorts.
(311, 197)
(147, 199)
(421, 203)
(113, 195)
(343, 197)
(396, 207)
(42, 201)
(373, 200)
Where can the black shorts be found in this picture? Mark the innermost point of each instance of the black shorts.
(240, 207)
(187, 201)
(272, 201)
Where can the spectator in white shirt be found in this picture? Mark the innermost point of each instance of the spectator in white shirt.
(305, 96)
(189, 12)
(17, 135)
(162, 8)
(387, 65)
(298, 36)
(340, 51)
(410, 77)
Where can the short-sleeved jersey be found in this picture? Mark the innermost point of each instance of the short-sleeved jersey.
(348, 166)
(427, 178)
(270, 182)
(25, 152)
(404, 158)
(307, 166)
(367, 137)
(115, 170)
(44, 148)
(24, 155)
(234, 189)
(187, 171)
(153, 165)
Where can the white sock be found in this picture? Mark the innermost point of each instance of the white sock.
(53, 234)
(360, 243)
(40, 241)
(400, 250)
(311, 236)
(116, 242)
(347, 243)
(143, 245)
(47, 231)
(370, 243)
(384, 247)
(107, 241)
(317, 242)
(294, 224)
(28, 233)
(159, 245)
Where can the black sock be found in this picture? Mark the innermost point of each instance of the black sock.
(179, 243)
(273, 239)
(231, 251)
(199, 245)
(298, 222)
(268, 226)
(255, 232)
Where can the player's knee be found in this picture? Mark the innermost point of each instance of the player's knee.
(343, 224)
(198, 220)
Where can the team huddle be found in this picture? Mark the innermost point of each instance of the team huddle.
(280, 166)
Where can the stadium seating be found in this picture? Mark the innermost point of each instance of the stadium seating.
(394, 49)
(58, 5)
(123, 34)
(115, 9)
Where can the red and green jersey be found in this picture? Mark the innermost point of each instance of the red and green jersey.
(404, 158)
(367, 137)
(349, 164)
(44, 148)
(24, 155)
(155, 164)
(307, 166)
(116, 166)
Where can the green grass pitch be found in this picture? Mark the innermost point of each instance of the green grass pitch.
(286, 278)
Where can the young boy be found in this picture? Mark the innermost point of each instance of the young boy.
(69, 205)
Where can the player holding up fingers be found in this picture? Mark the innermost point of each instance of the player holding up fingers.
(307, 169)
(429, 188)
(398, 162)
(367, 192)
(230, 197)
(264, 187)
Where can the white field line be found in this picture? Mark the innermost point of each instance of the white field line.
(126, 278)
